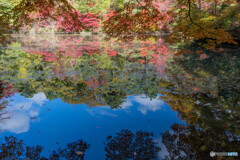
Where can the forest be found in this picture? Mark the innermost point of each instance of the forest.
(209, 23)
(119, 79)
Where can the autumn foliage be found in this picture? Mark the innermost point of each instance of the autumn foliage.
(137, 19)
(208, 23)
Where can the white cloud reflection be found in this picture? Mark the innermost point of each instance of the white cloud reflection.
(163, 152)
(18, 116)
(104, 111)
(23, 109)
(147, 104)
(17, 123)
(142, 103)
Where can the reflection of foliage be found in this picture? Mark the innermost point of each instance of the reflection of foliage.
(177, 149)
(85, 76)
(6, 91)
(205, 92)
(205, 88)
(34, 152)
(127, 145)
(13, 149)
(189, 142)
(74, 150)
(114, 99)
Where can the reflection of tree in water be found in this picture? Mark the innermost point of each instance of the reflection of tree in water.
(176, 148)
(205, 93)
(14, 149)
(6, 91)
(189, 142)
(127, 145)
(94, 79)
(114, 99)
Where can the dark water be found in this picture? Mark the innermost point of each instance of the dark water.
(83, 97)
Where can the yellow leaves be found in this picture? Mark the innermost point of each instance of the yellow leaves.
(115, 80)
(203, 148)
(208, 18)
(201, 27)
(206, 36)
(22, 71)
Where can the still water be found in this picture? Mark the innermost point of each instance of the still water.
(81, 97)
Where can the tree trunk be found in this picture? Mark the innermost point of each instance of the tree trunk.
(200, 6)
(215, 7)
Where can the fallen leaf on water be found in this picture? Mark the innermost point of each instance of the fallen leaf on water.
(79, 153)
(195, 89)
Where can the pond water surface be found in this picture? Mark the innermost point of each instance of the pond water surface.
(83, 97)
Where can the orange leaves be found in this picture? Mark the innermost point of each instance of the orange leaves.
(92, 83)
(195, 89)
(45, 10)
(199, 51)
(79, 153)
(144, 52)
(134, 21)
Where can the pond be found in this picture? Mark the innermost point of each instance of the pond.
(82, 97)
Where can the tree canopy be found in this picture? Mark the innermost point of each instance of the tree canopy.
(209, 23)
